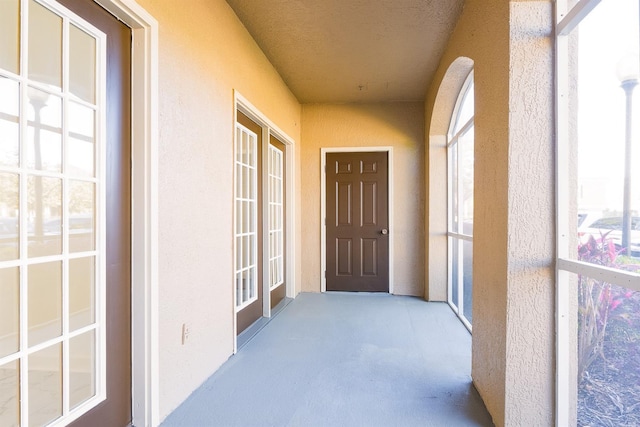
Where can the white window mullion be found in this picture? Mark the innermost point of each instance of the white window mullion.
(460, 273)
(460, 188)
(23, 366)
(574, 16)
(450, 271)
(65, 220)
(563, 347)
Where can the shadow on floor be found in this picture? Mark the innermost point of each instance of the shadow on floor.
(338, 359)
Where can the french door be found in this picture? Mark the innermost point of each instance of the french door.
(63, 278)
(259, 228)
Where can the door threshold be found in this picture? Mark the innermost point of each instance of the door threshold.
(245, 336)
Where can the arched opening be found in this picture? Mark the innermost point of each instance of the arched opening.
(437, 201)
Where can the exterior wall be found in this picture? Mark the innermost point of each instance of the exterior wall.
(511, 47)
(205, 54)
(400, 125)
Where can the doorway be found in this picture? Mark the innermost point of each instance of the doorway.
(249, 287)
(357, 235)
(263, 207)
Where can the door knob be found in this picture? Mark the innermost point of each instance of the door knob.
(384, 231)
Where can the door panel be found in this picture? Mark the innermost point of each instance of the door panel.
(357, 222)
(64, 215)
(252, 312)
(277, 221)
(116, 410)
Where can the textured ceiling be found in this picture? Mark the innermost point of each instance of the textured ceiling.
(335, 51)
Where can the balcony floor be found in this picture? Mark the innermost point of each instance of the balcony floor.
(339, 359)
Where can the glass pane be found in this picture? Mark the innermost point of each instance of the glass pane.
(252, 184)
(10, 35)
(246, 217)
(606, 189)
(238, 289)
(9, 119)
(608, 336)
(252, 151)
(81, 142)
(82, 296)
(466, 161)
(238, 217)
(44, 132)
(82, 207)
(245, 149)
(9, 216)
(453, 193)
(467, 279)
(9, 394)
(45, 45)
(45, 225)
(82, 368)
(238, 181)
(245, 285)
(239, 265)
(45, 385)
(245, 251)
(246, 182)
(82, 64)
(44, 302)
(238, 144)
(252, 282)
(252, 216)
(252, 251)
(455, 259)
(466, 109)
(9, 313)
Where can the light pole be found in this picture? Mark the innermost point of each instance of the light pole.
(628, 71)
(38, 100)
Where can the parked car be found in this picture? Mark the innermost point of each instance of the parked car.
(613, 226)
(8, 226)
(585, 219)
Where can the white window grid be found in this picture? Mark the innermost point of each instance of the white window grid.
(455, 234)
(569, 16)
(65, 177)
(246, 217)
(276, 216)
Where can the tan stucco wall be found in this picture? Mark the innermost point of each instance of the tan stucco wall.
(204, 54)
(397, 125)
(513, 307)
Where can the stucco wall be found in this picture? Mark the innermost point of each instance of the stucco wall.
(513, 333)
(204, 54)
(399, 125)
(531, 238)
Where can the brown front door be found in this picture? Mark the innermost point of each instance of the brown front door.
(252, 312)
(357, 222)
(116, 409)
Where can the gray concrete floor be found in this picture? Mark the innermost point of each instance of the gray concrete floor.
(338, 359)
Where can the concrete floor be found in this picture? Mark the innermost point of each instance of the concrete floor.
(338, 359)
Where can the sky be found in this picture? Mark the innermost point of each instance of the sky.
(607, 35)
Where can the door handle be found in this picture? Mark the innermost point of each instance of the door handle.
(384, 231)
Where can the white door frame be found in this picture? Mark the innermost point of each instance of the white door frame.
(323, 207)
(144, 208)
(269, 128)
